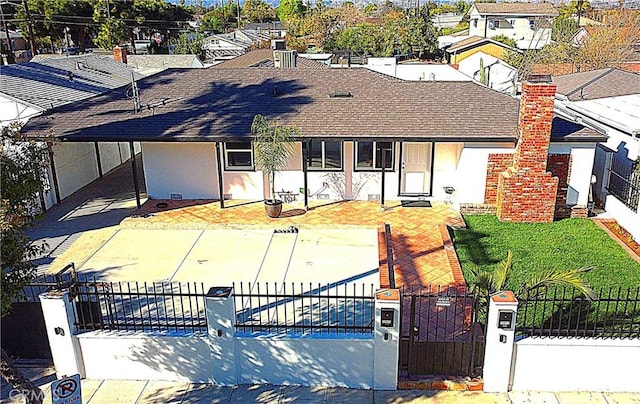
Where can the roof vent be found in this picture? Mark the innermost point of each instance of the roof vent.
(341, 94)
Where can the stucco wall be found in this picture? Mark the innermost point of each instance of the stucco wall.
(472, 170)
(582, 157)
(194, 174)
(306, 361)
(76, 166)
(574, 364)
(627, 218)
(140, 356)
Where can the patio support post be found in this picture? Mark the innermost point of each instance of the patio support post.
(98, 161)
(57, 309)
(221, 326)
(220, 178)
(305, 161)
(384, 163)
(134, 169)
(386, 339)
(498, 354)
(54, 173)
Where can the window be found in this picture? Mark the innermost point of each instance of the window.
(475, 23)
(366, 158)
(325, 155)
(238, 155)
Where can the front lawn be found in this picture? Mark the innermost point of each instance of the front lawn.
(566, 244)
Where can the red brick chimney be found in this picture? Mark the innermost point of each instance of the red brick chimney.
(120, 54)
(526, 190)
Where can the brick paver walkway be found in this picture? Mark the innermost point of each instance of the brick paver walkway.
(423, 251)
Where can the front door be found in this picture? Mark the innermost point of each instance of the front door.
(416, 169)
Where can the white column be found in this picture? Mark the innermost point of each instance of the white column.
(386, 340)
(221, 321)
(59, 321)
(501, 326)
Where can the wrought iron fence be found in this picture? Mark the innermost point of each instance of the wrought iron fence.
(562, 311)
(42, 282)
(139, 306)
(291, 309)
(624, 182)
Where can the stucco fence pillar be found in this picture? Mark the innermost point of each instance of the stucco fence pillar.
(57, 308)
(498, 355)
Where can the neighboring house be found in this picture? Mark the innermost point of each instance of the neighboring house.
(446, 20)
(608, 100)
(360, 130)
(529, 24)
(266, 58)
(151, 64)
(325, 58)
(415, 71)
(220, 47)
(273, 29)
(498, 75)
(48, 83)
(469, 46)
(19, 45)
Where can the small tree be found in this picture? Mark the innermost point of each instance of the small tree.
(273, 148)
(23, 173)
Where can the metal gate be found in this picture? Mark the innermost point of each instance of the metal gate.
(440, 332)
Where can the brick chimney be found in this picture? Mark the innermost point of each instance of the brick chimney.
(120, 54)
(526, 190)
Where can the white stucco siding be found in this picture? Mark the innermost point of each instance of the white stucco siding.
(582, 158)
(180, 168)
(627, 218)
(110, 156)
(76, 166)
(306, 360)
(576, 364)
(445, 164)
(244, 184)
(471, 176)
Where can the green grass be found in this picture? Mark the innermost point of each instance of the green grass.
(539, 247)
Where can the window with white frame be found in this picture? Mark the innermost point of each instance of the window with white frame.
(324, 155)
(238, 155)
(369, 155)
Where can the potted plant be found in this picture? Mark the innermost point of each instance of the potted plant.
(273, 147)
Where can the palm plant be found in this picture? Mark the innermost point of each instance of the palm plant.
(273, 147)
(484, 282)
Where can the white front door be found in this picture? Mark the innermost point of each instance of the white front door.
(416, 168)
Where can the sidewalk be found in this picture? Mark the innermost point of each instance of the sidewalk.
(146, 391)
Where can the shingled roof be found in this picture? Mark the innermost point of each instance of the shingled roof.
(55, 81)
(219, 104)
(474, 41)
(518, 8)
(264, 58)
(602, 83)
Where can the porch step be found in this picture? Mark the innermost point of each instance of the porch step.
(429, 382)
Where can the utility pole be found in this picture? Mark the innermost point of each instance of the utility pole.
(32, 39)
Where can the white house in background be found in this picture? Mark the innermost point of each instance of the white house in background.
(47, 83)
(152, 64)
(365, 135)
(608, 100)
(415, 71)
(499, 75)
(273, 29)
(529, 24)
(220, 47)
(446, 20)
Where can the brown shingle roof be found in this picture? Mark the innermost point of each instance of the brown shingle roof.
(475, 41)
(600, 83)
(525, 9)
(216, 104)
(264, 58)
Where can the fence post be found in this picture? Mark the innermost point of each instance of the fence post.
(386, 339)
(221, 322)
(501, 326)
(57, 309)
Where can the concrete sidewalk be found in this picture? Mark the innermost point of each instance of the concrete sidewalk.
(145, 391)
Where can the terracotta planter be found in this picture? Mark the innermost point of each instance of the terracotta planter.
(273, 208)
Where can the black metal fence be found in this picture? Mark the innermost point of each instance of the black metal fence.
(139, 306)
(624, 182)
(562, 311)
(291, 309)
